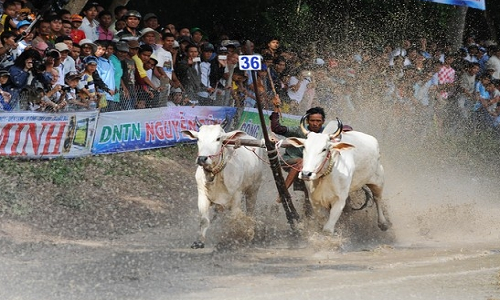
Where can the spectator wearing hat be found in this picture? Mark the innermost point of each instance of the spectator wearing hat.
(67, 62)
(197, 36)
(88, 47)
(22, 26)
(89, 24)
(70, 92)
(151, 21)
(87, 85)
(128, 95)
(27, 37)
(133, 47)
(183, 41)
(5, 96)
(131, 31)
(76, 33)
(105, 20)
(177, 98)
(150, 37)
(213, 69)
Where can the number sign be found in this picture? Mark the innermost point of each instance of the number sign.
(250, 62)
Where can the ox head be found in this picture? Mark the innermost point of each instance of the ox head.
(211, 142)
(320, 151)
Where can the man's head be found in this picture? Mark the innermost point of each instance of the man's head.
(151, 21)
(145, 52)
(192, 51)
(168, 41)
(315, 118)
(132, 19)
(105, 18)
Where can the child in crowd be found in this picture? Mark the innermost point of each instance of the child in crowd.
(9, 16)
(86, 84)
(72, 79)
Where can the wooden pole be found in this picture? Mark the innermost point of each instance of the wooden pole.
(272, 154)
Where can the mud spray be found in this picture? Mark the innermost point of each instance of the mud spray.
(435, 194)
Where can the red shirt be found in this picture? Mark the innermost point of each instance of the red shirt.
(77, 35)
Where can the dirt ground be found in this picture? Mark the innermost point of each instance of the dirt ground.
(126, 234)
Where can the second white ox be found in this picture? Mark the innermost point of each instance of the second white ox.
(333, 167)
(225, 173)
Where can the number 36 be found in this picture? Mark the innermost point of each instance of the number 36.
(250, 62)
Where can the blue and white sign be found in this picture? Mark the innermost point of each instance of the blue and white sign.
(479, 4)
(250, 62)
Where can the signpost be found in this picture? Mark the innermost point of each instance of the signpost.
(253, 63)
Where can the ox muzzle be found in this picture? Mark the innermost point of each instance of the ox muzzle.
(203, 161)
(307, 175)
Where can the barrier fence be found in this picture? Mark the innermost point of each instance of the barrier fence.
(41, 135)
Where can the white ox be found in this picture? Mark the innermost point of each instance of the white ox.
(225, 173)
(332, 168)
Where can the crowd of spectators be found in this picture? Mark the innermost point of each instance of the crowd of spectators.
(125, 60)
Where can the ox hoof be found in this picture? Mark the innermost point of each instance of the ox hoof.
(198, 245)
(384, 226)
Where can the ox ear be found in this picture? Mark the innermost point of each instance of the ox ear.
(342, 146)
(296, 142)
(190, 134)
(235, 134)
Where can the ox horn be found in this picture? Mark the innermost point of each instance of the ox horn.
(338, 131)
(302, 126)
(198, 123)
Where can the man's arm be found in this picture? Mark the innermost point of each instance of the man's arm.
(276, 127)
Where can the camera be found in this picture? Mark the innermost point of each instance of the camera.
(39, 66)
(66, 89)
(196, 59)
(222, 57)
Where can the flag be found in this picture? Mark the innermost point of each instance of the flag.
(479, 4)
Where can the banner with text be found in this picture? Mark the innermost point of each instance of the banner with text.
(44, 135)
(479, 4)
(134, 130)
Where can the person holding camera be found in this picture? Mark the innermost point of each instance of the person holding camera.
(26, 64)
(53, 98)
